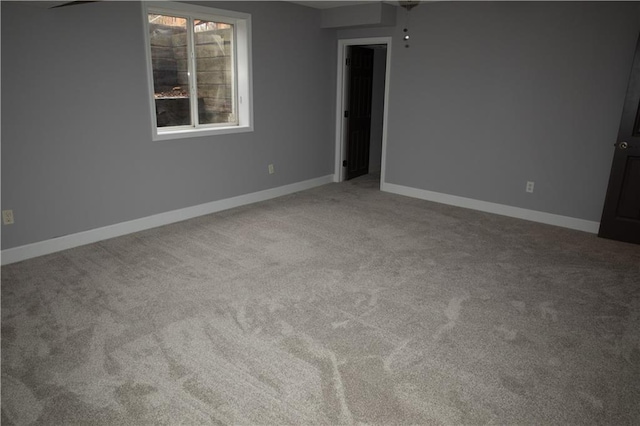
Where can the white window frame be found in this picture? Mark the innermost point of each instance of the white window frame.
(243, 76)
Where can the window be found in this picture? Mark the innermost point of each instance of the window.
(199, 69)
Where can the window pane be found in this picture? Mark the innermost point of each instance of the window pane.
(168, 36)
(214, 72)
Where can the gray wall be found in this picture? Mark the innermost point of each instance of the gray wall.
(371, 14)
(76, 138)
(492, 94)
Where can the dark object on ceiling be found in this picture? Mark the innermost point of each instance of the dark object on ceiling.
(73, 3)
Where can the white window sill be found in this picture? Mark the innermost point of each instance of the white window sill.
(164, 135)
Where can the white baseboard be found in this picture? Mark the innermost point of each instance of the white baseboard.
(501, 209)
(53, 245)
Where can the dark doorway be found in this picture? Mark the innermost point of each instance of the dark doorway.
(621, 215)
(364, 104)
(358, 114)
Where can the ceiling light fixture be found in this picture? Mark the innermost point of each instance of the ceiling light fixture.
(407, 5)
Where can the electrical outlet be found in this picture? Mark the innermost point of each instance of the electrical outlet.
(530, 185)
(271, 169)
(7, 217)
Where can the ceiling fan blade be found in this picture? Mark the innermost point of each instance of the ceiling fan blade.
(74, 3)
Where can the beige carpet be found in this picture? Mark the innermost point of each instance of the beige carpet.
(337, 305)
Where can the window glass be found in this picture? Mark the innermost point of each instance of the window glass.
(214, 72)
(169, 58)
(199, 65)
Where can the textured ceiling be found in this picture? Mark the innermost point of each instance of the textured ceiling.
(331, 3)
(322, 4)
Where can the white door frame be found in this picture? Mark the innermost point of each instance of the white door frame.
(343, 44)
